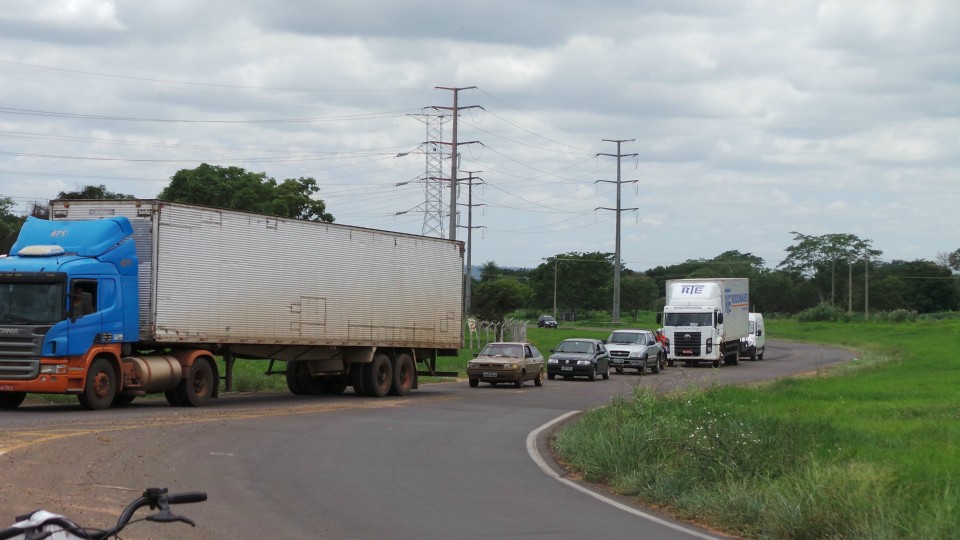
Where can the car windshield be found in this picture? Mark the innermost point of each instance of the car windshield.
(547, 319)
(503, 349)
(625, 337)
(575, 347)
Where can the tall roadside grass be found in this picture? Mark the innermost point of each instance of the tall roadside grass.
(869, 451)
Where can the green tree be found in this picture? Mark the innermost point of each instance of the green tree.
(579, 281)
(817, 257)
(9, 224)
(494, 299)
(237, 189)
(919, 285)
(88, 192)
(637, 292)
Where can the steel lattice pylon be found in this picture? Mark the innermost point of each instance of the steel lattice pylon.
(432, 180)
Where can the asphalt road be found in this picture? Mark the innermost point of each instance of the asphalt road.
(447, 461)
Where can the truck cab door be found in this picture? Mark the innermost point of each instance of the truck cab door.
(84, 315)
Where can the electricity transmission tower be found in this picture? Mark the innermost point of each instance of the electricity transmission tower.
(431, 180)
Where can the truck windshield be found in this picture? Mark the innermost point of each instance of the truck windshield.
(31, 303)
(688, 319)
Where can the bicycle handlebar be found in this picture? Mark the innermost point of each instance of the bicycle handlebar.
(155, 498)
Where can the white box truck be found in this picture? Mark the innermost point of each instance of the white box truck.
(140, 296)
(705, 319)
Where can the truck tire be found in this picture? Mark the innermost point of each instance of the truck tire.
(100, 387)
(404, 375)
(760, 354)
(122, 400)
(378, 376)
(356, 379)
(197, 388)
(11, 400)
(293, 379)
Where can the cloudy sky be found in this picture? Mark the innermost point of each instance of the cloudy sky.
(742, 120)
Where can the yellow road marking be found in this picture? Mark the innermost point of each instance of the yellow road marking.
(17, 439)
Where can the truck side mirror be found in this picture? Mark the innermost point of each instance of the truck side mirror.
(759, 332)
(719, 318)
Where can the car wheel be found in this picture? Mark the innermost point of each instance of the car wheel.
(474, 383)
(551, 376)
(606, 373)
(656, 366)
(760, 356)
(539, 380)
(593, 374)
(520, 380)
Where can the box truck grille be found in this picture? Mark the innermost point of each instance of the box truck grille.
(19, 353)
(686, 344)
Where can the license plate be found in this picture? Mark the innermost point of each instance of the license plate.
(490, 374)
(687, 352)
(566, 368)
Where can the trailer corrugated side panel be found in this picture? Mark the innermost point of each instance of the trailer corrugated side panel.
(230, 277)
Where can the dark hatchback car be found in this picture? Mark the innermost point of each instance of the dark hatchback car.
(546, 321)
(579, 357)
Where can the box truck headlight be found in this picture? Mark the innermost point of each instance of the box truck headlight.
(709, 345)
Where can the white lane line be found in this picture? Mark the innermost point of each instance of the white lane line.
(538, 459)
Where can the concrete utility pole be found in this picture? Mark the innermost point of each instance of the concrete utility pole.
(468, 285)
(454, 113)
(615, 316)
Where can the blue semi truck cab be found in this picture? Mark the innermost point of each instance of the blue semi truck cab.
(68, 293)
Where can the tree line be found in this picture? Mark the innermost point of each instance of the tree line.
(838, 270)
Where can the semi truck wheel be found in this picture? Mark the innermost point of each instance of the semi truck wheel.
(11, 400)
(196, 389)
(293, 379)
(404, 374)
(356, 379)
(100, 387)
(378, 376)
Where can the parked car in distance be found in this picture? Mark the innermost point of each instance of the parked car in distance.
(546, 321)
(506, 362)
(635, 349)
(579, 357)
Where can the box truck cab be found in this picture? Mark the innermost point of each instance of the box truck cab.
(755, 344)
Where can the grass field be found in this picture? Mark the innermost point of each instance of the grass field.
(869, 450)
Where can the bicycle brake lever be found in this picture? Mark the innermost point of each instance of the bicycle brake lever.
(166, 516)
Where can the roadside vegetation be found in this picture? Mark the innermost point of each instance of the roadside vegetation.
(870, 449)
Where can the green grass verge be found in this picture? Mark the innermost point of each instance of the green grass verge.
(872, 451)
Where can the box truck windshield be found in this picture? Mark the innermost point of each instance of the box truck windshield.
(688, 319)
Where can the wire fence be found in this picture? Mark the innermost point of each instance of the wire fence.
(483, 332)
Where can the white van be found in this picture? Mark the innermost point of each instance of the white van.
(754, 345)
